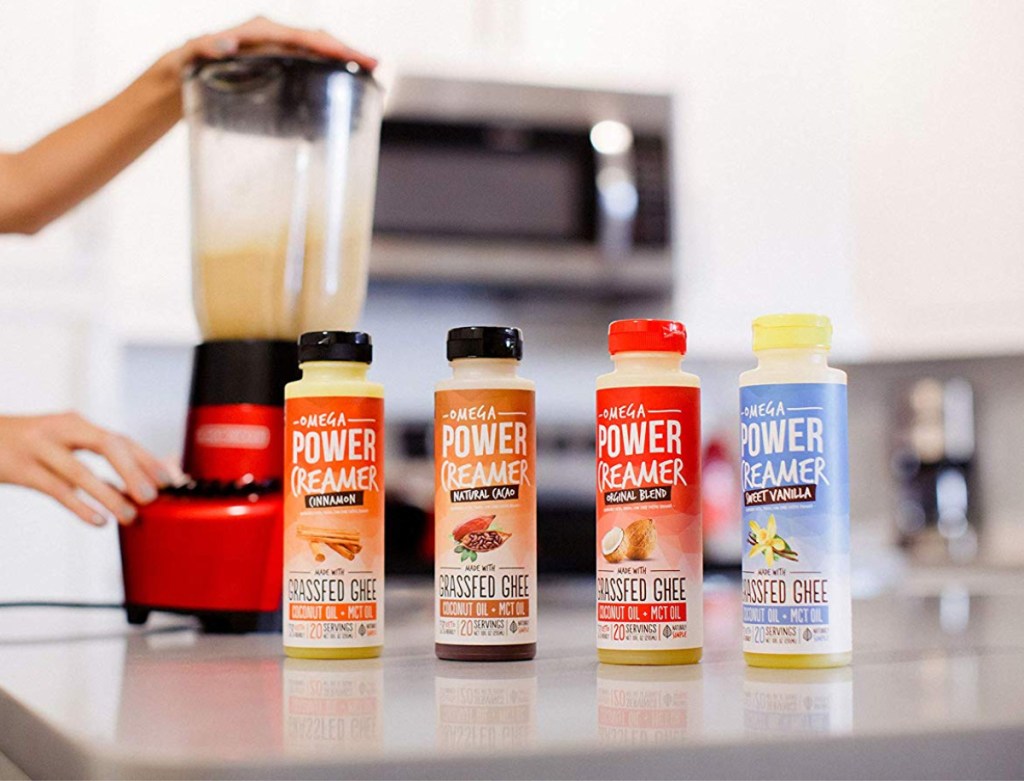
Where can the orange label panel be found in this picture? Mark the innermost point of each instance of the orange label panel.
(641, 611)
(334, 522)
(485, 608)
(349, 611)
(485, 509)
(649, 547)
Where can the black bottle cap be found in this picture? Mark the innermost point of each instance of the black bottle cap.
(485, 341)
(352, 346)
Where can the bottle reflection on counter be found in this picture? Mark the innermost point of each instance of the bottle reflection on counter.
(649, 706)
(328, 706)
(798, 702)
(483, 713)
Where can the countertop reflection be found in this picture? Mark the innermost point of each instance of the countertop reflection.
(936, 684)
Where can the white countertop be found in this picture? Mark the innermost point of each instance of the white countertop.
(936, 690)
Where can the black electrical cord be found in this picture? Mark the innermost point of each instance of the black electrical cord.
(41, 603)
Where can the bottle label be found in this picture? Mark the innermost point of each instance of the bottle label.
(649, 553)
(796, 512)
(485, 517)
(334, 522)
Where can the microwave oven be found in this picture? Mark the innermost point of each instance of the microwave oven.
(524, 186)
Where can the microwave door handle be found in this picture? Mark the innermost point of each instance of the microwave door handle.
(617, 197)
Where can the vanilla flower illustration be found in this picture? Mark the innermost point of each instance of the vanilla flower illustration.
(766, 540)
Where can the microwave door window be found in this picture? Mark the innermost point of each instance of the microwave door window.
(469, 185)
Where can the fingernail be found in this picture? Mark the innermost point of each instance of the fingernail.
(147, 494)
(172, 474)
(98, 519)
(128, 513)
(225, 45)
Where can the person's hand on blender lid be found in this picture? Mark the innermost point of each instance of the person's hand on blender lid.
(43, 181)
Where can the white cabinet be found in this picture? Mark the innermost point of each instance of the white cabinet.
(762, 182)
(605, 43)
(938, 176)
(861, 160)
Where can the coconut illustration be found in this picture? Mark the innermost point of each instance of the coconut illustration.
(613, 545)
(640, 539)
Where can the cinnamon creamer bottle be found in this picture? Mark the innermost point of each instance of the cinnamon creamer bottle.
(649, 547)
(334, 501)
(485, 505)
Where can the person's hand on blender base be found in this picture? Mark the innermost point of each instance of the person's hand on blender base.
(38, 452)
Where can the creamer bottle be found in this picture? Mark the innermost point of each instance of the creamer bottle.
(485, 502)
(334, 501)
(796, 498)
(649, 550)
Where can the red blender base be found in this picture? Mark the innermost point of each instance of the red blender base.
(208, 551)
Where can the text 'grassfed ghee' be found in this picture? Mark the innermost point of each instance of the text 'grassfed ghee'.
(334, 501)
(485, 501)
(796, 498)
(649, 543)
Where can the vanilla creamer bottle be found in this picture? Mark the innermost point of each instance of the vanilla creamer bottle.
(334, 501)
(485, 501)
(796, 498)
(649, 541)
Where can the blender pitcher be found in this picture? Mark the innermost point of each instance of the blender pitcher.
(283, 149)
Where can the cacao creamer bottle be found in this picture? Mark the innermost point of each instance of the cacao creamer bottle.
(485, 501)
(796, 498)
(334, 501)
(649, 542)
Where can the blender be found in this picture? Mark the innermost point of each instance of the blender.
(283, 158)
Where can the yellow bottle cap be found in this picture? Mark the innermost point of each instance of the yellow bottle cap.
(787, 332)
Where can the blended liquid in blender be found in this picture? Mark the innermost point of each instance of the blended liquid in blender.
(260, 292)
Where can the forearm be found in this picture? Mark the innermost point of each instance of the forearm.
(48, 178)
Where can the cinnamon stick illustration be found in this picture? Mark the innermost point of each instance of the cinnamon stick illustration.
(342, 541)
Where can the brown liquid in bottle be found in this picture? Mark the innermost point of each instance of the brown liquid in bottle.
(486, 653)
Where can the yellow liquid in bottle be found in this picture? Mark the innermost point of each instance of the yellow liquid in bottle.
(797, 661)
(682, 656)
(332, 379)
(649, 369)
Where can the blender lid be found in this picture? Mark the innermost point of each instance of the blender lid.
(248, 62)
(276, 91)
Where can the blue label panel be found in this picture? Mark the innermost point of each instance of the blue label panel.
(801, 616)
(794, 474)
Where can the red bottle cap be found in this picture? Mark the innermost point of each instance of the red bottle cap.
(666, 336)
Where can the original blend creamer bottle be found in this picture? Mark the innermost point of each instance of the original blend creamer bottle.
(334, 501)
(485, 501)
(649, 547)
(796, 498)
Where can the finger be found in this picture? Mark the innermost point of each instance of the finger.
(116, 450)
(261, 30)
(155, 469)
(40, 479)
(72, 471)
(212, 47)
